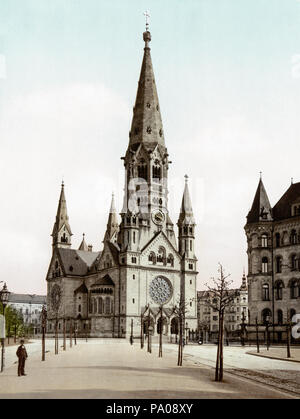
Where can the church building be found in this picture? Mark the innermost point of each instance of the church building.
(143, 267)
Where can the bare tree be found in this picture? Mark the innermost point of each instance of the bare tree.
(180, 309)
(220, 296)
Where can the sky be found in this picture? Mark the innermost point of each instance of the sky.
(228, 79)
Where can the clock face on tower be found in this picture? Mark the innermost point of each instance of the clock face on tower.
(55, 297)
(160, 290)
(158, 217)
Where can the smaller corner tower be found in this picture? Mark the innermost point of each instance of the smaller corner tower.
(61, 233)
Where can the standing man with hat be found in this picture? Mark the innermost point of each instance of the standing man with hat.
(22, 355)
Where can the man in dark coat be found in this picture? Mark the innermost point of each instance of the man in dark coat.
(22, 356)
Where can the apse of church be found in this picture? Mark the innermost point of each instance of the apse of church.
(141, 268)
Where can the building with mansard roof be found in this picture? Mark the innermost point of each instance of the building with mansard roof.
(142, 268)
(273, 239)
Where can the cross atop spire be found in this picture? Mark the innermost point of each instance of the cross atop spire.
(147, 16)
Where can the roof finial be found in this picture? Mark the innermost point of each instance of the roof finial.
(83, 235)
(186, 178)
(147, 16)
(260, 175)
(292, 180)
(62, 182)
(147, 34)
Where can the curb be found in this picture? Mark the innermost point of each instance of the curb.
(272, 357)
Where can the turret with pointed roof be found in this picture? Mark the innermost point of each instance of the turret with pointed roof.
(112, 223)
(186, 224)
(61, 232)
(261, 209)
(83, 245)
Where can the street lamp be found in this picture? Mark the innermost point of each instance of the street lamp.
(131, 333)
(4, 295)
(44, 320)
(186, 329)
(267, 321)
(150, 328)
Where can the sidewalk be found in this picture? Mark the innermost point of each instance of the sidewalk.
(113, 369)
(278, 353)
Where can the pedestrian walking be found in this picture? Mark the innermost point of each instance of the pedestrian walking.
(22, 356)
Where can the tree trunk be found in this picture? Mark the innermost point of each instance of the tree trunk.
(221, 348)
(218, 352)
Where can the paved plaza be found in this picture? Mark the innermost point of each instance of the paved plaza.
(113, 369)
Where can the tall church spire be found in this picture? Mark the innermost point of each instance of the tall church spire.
(261, 209)
(186, 225)
(146, 124)
(61, 232)
(112, 223)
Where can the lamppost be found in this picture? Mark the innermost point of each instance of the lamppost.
(150, 328)
(75, 334)
(243, 330)
(257, 339)
(267, 321)
(44, 320)
(186, 329)
(4, 295)
(131, 333)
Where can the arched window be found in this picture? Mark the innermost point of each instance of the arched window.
(100, 306)
(79, 308)
(264, 265)
(95, 305)
(278, 264)
(294, 289)
(293, 237)
(278, 287)
(294, 262)
(170, 259)
(264, 240)
(107, 305)
(277, 239)
(152, 258)
(142, 171)
(266, 292)
(266, 315)
(161, 256)
(279, 317)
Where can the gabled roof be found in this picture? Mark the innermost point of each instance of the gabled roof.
(261, 209)
(282, 209)
(82, 289)
(166, 238)
(106, 280)
(76, 262)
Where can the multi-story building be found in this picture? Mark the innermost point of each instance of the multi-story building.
(141, 266)
(273, 239)
(30, 307)
(236, 313)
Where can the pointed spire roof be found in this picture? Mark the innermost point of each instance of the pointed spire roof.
(261, 209)
(146, 124)
(62, 214)
(244, 281)
(186, 212)
(83, 245)
(112, 223)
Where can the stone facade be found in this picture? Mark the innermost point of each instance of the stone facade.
(273, 239)
(140, 267)
(30, 307)
(208, 318)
